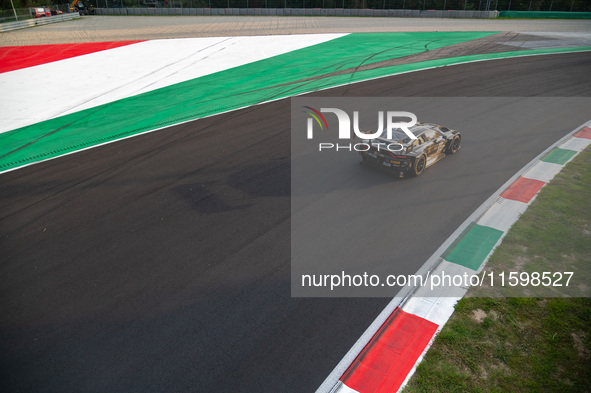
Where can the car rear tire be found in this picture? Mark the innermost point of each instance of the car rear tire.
(419, 165)
(454, 145)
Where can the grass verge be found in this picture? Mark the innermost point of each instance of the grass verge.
(525, 344)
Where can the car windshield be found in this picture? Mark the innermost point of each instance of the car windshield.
(400, 136)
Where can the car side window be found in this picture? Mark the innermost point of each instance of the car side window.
(429, 135)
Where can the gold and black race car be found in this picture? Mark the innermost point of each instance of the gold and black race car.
(403, 155)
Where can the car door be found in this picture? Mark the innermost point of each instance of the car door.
(436, 142)
(429, 147)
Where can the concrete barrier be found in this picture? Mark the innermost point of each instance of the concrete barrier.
(23, 24)
(299, 12)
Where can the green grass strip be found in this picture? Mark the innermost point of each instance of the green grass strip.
(545, 15)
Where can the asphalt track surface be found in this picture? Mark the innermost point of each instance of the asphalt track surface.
(109, 28)
(162, 262)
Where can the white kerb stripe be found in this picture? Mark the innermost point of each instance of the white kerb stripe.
(502, 214)
(342, 388)
(576, 144)
(543, 171)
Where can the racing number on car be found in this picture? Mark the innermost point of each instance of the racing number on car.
(434, 144)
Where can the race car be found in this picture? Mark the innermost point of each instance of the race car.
(402, 155)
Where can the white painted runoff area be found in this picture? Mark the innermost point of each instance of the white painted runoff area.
(54, 89)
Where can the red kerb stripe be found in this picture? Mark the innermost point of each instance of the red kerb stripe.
(523, 189)
(387, 359)
(584, 132)
(17, 57)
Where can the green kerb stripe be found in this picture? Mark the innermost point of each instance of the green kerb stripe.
(473, 246)
(559, 156)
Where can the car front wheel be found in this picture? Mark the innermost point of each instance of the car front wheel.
(454, 145)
